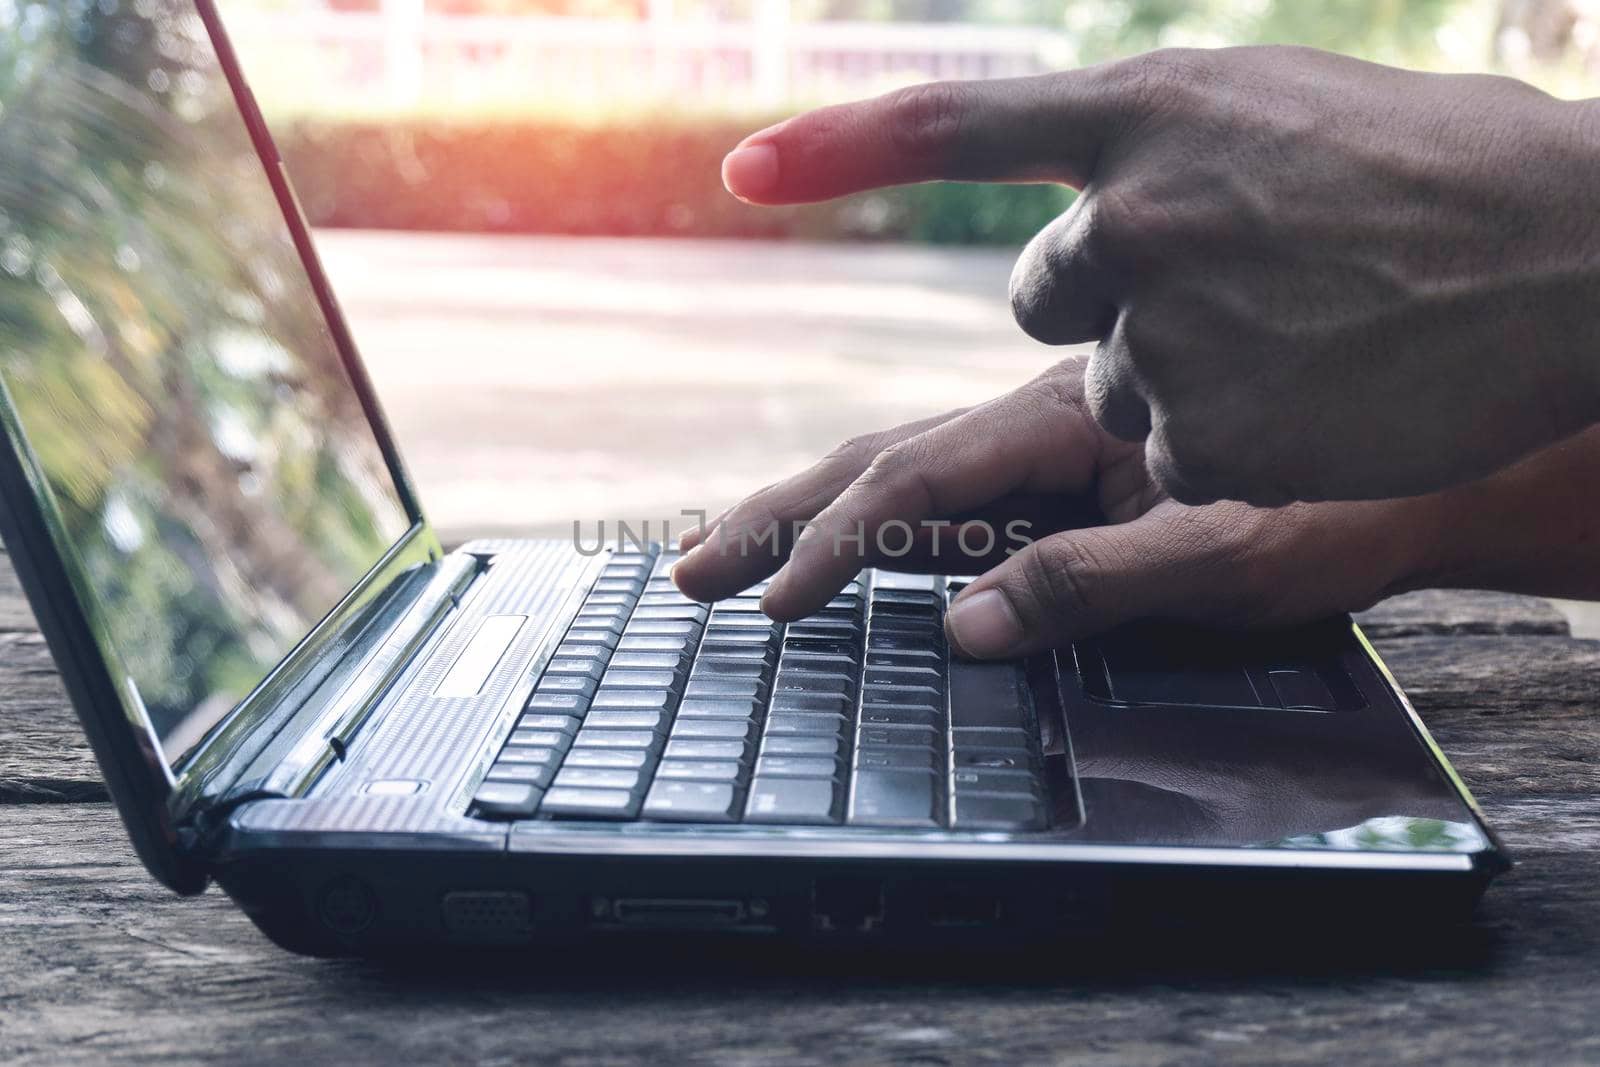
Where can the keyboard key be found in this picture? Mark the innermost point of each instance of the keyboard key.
(628, 586)
(709, 708)
(698, 801)
(714, 667)
(987, 696)
(788, 724)
(790, 700)
(538, 739)
(739, 605)
(900, 715)
(599, 778)
(876, 735)
(666, 596)
(624, 758)
(735, 688)
(796, 767)
(967, 737)
(920, 675)
(533, 720)
(742, 620)
(821, 647)
(568, 683)
(898, 758)
(625, 679)
(826, 630)
(984, 811)
(685, 610)
(914, 644)
(676, 662)
(529, 756)
(596, 632)
(712, 729)
(927, 657)
(830, 747)
(580, 647)
(586, 666)
(707, 750)
(793, 800)
(894, 798)
(994, 758)
(718, 634)
(699, 770)
(591, 803)
(538, 774)
(619, 719)
(647, 643)
(570, 703)
(635, 699)
(588, 737)
(820, 661)
(792, 680)
(985, 780)
(663, 628)
(505, 800)
(749, 652)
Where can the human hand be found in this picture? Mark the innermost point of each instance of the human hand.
(1035, 456)
(1311, 277)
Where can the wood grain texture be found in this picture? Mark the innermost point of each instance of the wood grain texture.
(98, 958)
(98, 963)
(1461, 611)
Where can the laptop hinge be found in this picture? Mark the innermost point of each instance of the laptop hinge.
(318, 732)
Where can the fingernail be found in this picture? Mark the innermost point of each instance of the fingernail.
(985, 625)
(750, 171)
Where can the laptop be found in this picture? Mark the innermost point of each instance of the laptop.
(372, 743)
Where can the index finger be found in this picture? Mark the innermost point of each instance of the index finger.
(1048, 127)
(1037, 439)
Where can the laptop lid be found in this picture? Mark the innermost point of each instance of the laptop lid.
(196, 479)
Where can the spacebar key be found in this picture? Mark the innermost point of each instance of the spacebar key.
(894, 798)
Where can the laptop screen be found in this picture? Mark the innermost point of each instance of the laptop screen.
(201, 443)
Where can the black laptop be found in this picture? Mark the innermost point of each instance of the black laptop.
(371, 744)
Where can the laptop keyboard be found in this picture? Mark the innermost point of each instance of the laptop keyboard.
(655, 707)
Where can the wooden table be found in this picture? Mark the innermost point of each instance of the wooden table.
(98, 962)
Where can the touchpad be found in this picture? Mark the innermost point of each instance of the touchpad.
(1296, 670)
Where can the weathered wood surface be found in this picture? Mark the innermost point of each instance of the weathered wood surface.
(98, 963)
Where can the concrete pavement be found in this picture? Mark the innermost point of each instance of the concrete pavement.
(536, 380)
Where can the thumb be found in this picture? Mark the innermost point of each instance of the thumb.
(1078, 583)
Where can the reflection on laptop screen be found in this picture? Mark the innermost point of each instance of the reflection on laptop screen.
(205, 452)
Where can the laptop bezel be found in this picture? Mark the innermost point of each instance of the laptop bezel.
(148, 790)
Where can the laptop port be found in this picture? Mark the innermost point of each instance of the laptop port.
(846, 905)
(487, 914)
(675, 913)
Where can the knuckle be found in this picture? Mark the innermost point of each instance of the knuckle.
(857, 449)
(1128, 218)
(894, 466)
(1163, 79)
(925, 121)
(1059, 392)
(1057, 576)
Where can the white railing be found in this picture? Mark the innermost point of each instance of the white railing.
(401, 59)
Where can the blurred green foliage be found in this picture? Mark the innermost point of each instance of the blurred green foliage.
(160, 350)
